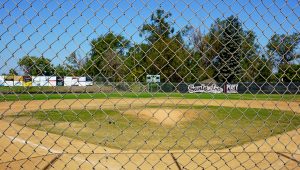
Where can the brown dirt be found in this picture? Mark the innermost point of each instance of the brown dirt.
(164, 116)
(20, 106)
(18, 143)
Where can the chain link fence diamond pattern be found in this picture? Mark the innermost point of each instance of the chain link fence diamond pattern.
(149, 84)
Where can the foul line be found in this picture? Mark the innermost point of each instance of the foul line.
(288, 157)
(175, 160)
(20, 140)
(53, 151)
(50, 164)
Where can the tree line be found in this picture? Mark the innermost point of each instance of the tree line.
(227, 53)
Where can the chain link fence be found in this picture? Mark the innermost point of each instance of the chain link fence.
(149, 84)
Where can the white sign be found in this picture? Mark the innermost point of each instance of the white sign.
(74, 81)
(40, 81)
(232, 88)
(47, 81)
(9, 83)
(153, 78)
(82, 81)
(205, 89)
(35, 81)
(51, 80)
(89, 83)
(67, 81)
(18, 83)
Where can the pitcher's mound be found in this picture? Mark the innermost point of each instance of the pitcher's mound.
(164, 116)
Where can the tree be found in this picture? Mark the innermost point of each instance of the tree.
(136, 63)
(12, 72)
(255, 67)
(289, 73)
(258, 69)
(159, 27)
(230, 54)
(75, 64)
(107, 57)
(213, 43)
(200, 62)
(61, 71)
(166, 54)
(282, 48)
(36, 66)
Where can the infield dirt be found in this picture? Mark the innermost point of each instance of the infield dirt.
(24, 147)
(22, 106)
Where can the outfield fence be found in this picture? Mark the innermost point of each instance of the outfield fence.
(185, 84)
(139, 87)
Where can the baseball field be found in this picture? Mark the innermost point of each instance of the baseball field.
(140, 130)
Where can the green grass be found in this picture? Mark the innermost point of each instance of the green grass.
(15, 97)
(213, 128)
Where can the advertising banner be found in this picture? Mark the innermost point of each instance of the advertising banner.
(39, 81)
(75, 81)
(18, 81)
(9, 83)
(68, 81)
(59, 81)
(232, 88)
(51, 80)
(82, 81)
(27, 81)
(212, 88)
(35, 81)
(202, 88)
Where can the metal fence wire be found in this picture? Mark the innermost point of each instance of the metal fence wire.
(149, 84)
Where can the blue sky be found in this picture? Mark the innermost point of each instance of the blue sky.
(55, 28)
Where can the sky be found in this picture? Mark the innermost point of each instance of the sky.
(56, 28)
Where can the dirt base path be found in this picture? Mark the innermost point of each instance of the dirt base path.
(22, 147)
(19, 106)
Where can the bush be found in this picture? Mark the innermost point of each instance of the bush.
(122, 87)
(153, 87)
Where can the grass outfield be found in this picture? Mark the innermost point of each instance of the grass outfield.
(210, 128)
(15, 97)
